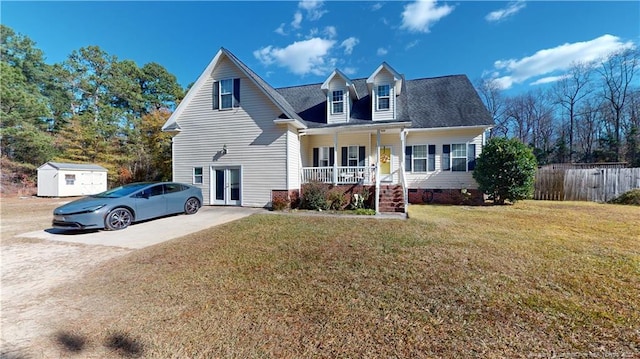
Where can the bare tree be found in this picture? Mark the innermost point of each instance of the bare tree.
(617, 73)
(569, 91)
(491, 94)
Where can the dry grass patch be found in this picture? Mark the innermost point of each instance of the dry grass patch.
(534, 279)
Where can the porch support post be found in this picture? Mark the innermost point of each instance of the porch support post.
(403, 173)
(335, 158)
(378, 171)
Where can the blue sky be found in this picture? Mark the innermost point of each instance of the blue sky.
(523, 44)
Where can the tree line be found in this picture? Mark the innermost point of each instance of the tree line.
(591, 114)
(90, 108)
(94, 108)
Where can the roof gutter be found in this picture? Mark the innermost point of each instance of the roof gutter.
(433, 129)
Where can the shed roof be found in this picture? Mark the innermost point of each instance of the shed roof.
(75, 166)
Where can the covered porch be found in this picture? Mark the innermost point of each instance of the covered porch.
(367, 155)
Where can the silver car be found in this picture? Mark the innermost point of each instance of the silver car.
(117, 208)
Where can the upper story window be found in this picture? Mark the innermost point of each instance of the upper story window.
(337, 101)
(383, 92)
(226, 94)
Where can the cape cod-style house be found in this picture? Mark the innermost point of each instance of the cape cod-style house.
(244, 142)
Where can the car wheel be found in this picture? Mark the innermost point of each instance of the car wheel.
(191, 206)
(119, 218)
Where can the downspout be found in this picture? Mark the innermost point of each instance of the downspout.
(378, 172)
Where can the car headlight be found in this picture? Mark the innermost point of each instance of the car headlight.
(94, 208)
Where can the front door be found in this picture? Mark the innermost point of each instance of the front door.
(225, 186)
(385, 164)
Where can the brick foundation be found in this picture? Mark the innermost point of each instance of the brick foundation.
(290, 197)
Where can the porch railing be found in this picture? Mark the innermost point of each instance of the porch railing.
(346, 174)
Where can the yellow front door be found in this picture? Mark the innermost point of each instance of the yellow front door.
(385, 161)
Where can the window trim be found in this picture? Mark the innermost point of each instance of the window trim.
(229, 93)
(339, 101)
(379, 97)
(196, 176)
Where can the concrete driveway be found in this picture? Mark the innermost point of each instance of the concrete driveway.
(148, 233)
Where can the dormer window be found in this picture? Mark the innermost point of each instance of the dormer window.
(337, 103)
(383, 97)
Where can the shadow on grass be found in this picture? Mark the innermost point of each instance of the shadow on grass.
(124, 345)
(120, 343)
(71, 342)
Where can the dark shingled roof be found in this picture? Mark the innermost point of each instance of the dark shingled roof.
(448, 101)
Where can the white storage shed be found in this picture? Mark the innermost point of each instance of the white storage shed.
(57, 179)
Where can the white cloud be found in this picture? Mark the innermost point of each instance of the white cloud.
(280, 30)
(411, 44)
(549, 79)
(382, 51)
(301, 57)
(420, 15)
(297, 19)
(511, 9)
(350, 70)
(313, 7)
(377, 6)
(349, 44)
(330, 31)
(548, 61)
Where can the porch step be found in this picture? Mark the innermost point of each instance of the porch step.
(391, 198)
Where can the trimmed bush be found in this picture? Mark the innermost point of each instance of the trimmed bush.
(631, 198)
(314, 196)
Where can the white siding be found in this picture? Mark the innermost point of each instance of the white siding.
(253, 141)
(443, 179)
(384, 77)
(293, 160)
(47, 181)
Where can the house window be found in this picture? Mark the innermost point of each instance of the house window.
(70, 180)
(337, 103)
(323, 156)
(352, 159)
(226, 94)
(459, 157)
(197, 175)
(353, 156)
(383, 97)
(420, 158)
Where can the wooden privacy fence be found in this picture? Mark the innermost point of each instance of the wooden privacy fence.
(595, 184)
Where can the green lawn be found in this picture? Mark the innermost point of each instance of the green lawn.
(535, 279)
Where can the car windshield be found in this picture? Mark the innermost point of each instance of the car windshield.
(121, 191)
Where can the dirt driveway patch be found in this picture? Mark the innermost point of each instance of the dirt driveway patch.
(34, 259)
